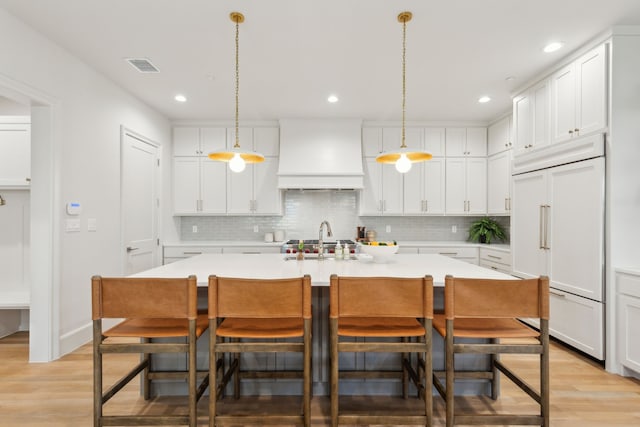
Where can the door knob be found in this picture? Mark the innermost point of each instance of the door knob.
(129, 249)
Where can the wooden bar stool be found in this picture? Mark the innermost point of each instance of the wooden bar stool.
(489, 309)
(254, 315)
(152, 308)
(378, 308)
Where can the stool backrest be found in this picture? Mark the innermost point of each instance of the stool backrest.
(381, 297)
(489, 298)
(260, 298)
(148, 298)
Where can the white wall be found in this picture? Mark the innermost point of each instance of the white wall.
(82, 163)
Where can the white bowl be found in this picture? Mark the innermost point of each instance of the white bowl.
(380, 254)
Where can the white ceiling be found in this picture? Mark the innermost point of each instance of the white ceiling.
(294, 53)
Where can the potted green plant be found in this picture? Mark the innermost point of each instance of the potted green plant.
(485, 230)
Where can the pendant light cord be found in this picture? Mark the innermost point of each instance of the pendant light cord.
(237, 144)
(404, 85)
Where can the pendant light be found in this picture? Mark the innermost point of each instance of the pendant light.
(403, 158)
(236, 157)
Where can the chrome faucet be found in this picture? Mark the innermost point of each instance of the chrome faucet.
(320, 241)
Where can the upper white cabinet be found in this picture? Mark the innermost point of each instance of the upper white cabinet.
(255, 190)
(434, 141)
(471, 142)
(499, 136)
(424, 188)
(15, 152)
(531, 111)
(383, 189)
(579, 96)
(203, 186)
(499, 183)
(466, 186)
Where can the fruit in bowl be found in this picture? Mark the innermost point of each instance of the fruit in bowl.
(380, 251)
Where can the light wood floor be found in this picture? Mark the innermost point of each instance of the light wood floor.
(59, 393)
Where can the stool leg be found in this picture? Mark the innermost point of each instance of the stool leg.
(213, 372)
(495, 379)
(544, 372)
(334, 371)
(193, 414)
(449, 367)
(236, 373)
(146, 382)
(97, 373)
(307, 373)
(428, 372)
(405, 373)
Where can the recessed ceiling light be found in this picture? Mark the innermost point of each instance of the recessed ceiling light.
(552, 47)
(332, 99)
(180, 98)
(484, 99)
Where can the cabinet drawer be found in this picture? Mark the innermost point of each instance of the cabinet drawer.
(251, 250)
(407, 250)
(189, 251)
(495, 256)
(628, 284)
(453, 252)
(578, 322)
(503, 268)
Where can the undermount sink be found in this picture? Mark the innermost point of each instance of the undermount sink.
(314, 257)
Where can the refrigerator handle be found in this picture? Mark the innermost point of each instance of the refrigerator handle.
(541, 228)
(546, 226)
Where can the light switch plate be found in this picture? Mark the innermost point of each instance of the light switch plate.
(72, 225)
(92, 224)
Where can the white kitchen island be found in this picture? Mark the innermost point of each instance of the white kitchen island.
(270, 266)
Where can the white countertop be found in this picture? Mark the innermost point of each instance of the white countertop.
(273, 266)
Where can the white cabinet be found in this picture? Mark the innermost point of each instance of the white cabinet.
(499, 136)
(579, 96)
(376, 140)
(383, 189)
(199, 184)
(495, 259)
(464, 253)
(255, 190)
(466, 186)
(175, 253)
(531, 111)
(628, 319)
(15, 152)
(558, 230)
(499, 183)
(424, 188)
(466, 142)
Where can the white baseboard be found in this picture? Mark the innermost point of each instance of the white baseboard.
(76, 338)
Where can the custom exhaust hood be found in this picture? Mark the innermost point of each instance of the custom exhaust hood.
(320, 154)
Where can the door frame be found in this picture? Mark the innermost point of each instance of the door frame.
(158, 189)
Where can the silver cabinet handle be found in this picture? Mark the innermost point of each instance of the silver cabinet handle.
(546, 226)
(493, 256)
(426, 206)
(130, 248)
(558, 294)
(541, 226)
(448, 253)
(191, 253)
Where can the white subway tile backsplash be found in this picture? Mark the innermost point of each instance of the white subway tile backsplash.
(304, 210)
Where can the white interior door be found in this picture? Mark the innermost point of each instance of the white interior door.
(139, 183)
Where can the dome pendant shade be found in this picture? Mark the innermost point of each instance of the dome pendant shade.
(236, 157)
(403, 158)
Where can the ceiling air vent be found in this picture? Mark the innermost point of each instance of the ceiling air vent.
(143, 65)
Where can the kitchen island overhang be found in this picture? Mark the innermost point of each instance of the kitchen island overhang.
(273, 266)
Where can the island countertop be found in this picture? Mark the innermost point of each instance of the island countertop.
(274, 266)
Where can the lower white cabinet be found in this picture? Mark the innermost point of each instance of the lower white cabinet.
(179, 252)
(251, 250)
(467, 254)
(495, 259)
(628, 285)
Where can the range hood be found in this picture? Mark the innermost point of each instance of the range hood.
(320, 154)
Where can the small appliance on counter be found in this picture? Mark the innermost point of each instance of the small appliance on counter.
(371, 236)
(361, 234)
(311, 246)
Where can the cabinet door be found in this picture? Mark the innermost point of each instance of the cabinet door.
(576, 228)
(371, 141)
(212, 139)
(498, 136)
(15, 154)
(629, 327)
(434, 141)
(433, 186)
(522, 122)
(563, 86)
(392, 190)
(392, 138)
(186, 184)
(413, 190)
(529, 196)
(476, 142)
(186, 141)
(371, 194)
(591, 91)
(455, 141)
(265, 187)
(213, 186)
(476, 186)
(267, 141)
(455, 183)
(540, 114)
(499, 183)
(240, 191)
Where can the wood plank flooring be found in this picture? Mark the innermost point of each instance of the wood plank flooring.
(58, 394)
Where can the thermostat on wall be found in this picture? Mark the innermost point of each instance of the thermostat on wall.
(74, 208)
